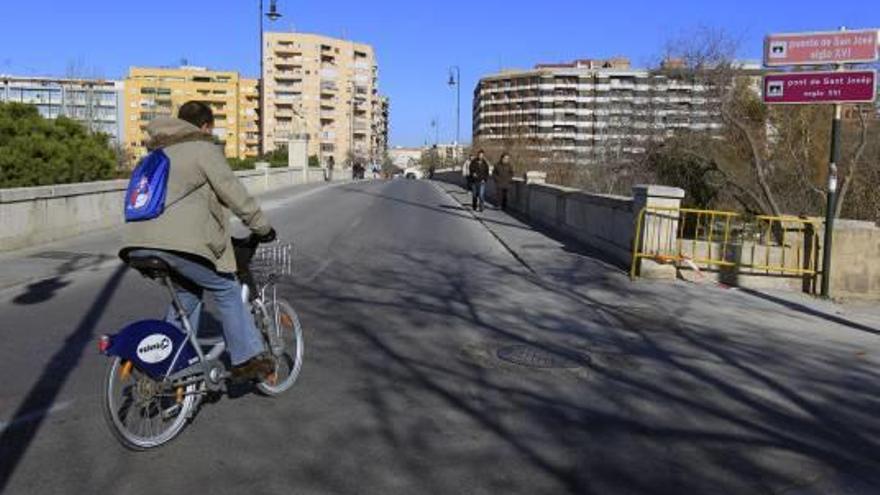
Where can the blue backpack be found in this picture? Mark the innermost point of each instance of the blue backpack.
(145, 196)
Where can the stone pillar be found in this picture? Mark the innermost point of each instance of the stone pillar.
(535, 177)
(298, 154)
(659, 231)
(263, 167)
(531, 177)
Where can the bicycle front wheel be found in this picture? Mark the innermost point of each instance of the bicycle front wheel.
(289, 357)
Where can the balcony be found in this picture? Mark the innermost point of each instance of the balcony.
(329, 86)
(292, 78)
(283, 49)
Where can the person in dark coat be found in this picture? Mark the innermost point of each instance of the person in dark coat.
(503, 176)
(479, 174)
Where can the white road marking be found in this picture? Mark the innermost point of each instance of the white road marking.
(35, 415)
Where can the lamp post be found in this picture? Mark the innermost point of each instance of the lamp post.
(455, 80)
(272, 15)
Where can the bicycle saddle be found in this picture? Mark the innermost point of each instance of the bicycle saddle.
(150, 266)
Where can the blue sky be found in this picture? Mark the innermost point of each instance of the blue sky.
(416, 41)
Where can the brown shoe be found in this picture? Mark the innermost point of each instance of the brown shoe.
(255, 368)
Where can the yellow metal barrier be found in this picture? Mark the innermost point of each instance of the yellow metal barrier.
(719, 240)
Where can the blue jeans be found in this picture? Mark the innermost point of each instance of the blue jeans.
(243, 341)
(478, 191)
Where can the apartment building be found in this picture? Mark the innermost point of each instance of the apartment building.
(154, 92)
(323, 87)
(588, 111)
(94, 102)
(404, 158)
(381, 122)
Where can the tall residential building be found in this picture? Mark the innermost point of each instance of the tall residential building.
(94, 102)
(325, 88)
(588, 111)
(153, 92)
(381, 122)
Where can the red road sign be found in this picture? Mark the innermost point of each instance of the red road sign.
(821, 87)
(832, 47)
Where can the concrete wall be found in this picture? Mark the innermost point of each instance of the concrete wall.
(35, 215)
(855, 260)
(603, 222)
(607, 224)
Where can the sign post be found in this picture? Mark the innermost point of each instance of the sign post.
(831, 87)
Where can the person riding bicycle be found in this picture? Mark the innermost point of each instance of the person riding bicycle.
(193, 234)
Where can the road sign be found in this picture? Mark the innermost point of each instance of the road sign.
(821, 87)
(832, 47)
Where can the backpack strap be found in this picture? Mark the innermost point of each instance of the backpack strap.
(186, 195)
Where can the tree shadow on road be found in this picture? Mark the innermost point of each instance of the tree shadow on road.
(795, 306)
(28, 418)
(43, 290)
(670, 403)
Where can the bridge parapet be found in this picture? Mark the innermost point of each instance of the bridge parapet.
(33, 215)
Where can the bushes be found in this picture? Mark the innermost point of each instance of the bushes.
(242, 163)
(35, 151)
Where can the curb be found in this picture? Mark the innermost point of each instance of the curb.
(498, 238)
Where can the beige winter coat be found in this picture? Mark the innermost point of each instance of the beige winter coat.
(199, 222)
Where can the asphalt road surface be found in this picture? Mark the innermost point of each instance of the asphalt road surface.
(448, 355)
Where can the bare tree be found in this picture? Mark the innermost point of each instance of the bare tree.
(770, 160)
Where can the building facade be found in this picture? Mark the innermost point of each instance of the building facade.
(98, 104)
(404, 158)
(588, 111)
(381, 122)
(154, 92)
(325, 88)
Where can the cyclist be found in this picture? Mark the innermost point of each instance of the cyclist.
(193, 234)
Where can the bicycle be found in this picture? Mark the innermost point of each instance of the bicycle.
(159, 374)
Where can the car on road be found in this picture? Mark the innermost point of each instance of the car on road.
(412, 173)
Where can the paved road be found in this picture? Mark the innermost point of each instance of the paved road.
(414, 311)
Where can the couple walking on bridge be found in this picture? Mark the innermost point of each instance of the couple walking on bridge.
(477, 171)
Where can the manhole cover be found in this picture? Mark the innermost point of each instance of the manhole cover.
(538, 357)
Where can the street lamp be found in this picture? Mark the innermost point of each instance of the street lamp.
(455, 80)
(272, 15)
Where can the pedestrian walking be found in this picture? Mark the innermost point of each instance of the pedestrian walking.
(478, 171)
(466, 171)
(503, 176)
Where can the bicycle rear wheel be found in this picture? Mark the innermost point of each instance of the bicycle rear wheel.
(285, 322)
(141, 414)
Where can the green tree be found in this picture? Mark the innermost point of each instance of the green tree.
(35, 151)
(314, 162)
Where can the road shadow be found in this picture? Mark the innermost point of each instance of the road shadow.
(567, 243)
(802, 308)
(27, 419)
(44, 290)
(669, 402)
(445, 209)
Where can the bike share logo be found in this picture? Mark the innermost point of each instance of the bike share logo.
(141, 194)
(154, 349)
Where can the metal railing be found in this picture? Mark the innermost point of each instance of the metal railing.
(723, 240)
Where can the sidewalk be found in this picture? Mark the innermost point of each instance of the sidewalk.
(97, 250)
(566, 262)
